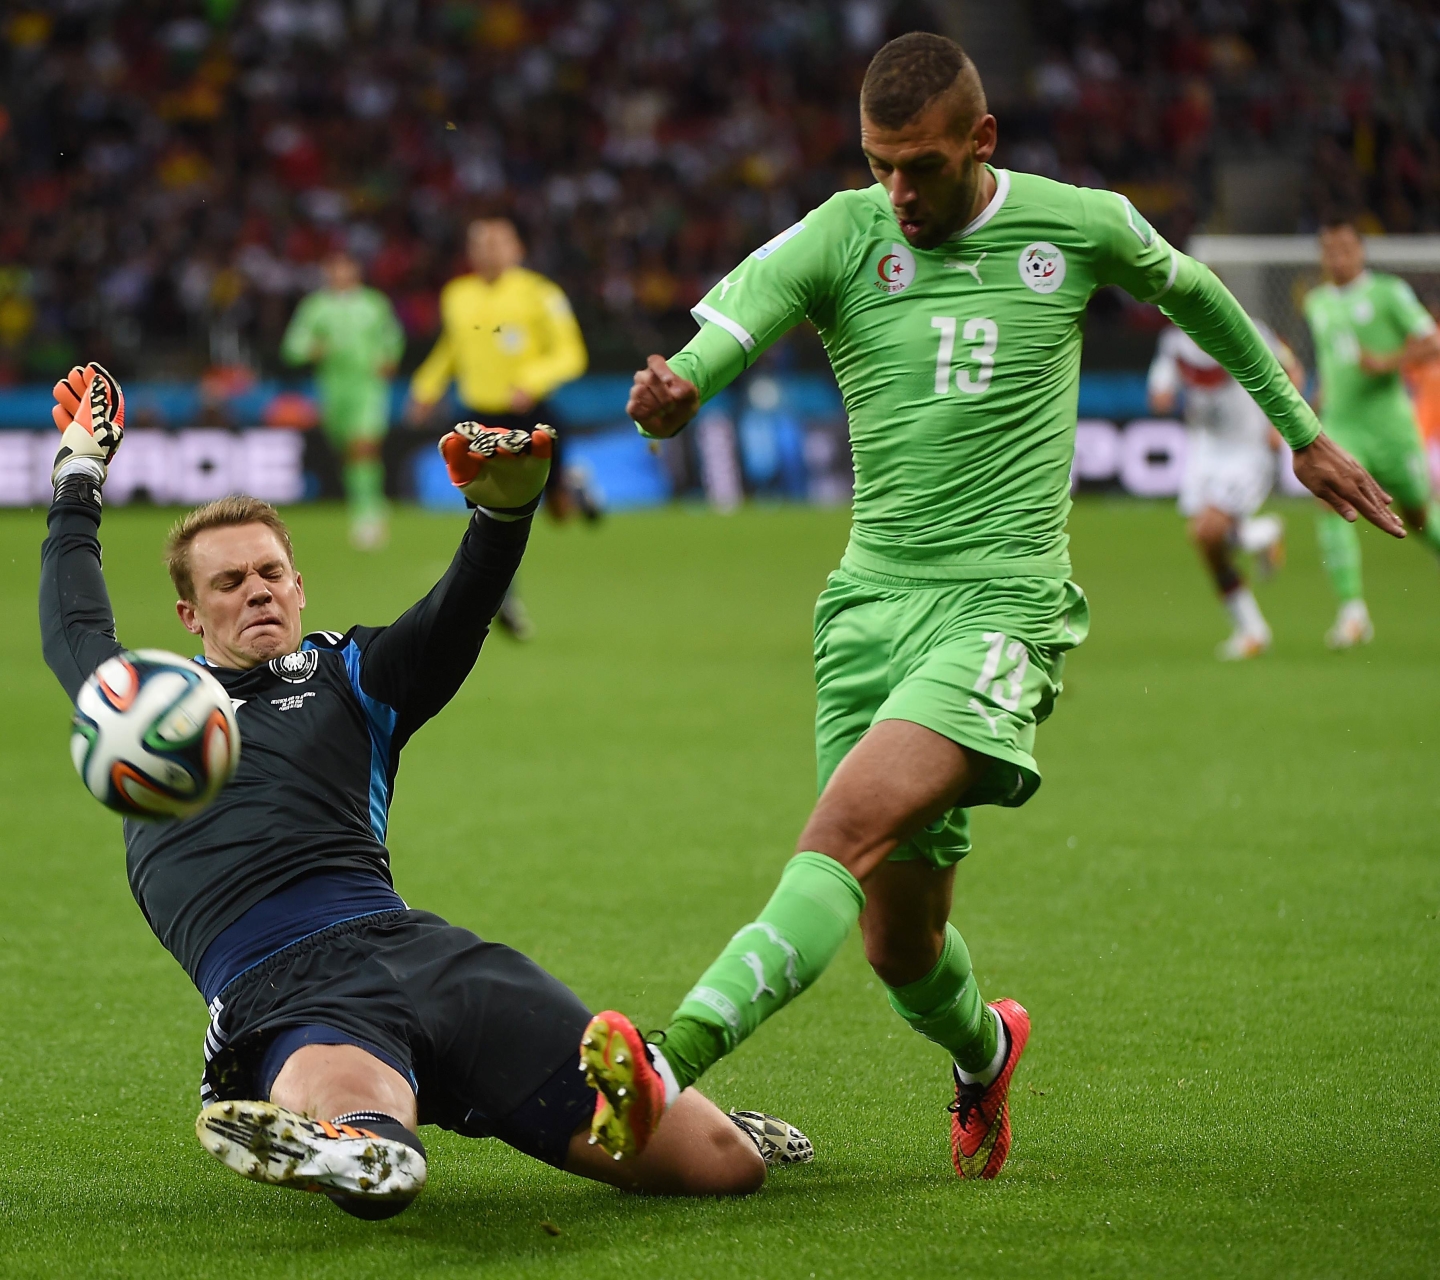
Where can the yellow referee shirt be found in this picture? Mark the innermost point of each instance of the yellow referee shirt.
(517, 333)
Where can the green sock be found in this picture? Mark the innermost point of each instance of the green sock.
(365, 488)
(945, 1006)
(766, 965)
(1340, 551)
(1431, 532)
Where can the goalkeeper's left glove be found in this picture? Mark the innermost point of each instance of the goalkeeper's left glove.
(503, 472)
(90, 412)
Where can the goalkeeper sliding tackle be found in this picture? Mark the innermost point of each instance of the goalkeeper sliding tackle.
(341, 1018)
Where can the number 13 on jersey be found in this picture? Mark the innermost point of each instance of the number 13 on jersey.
(985, 334)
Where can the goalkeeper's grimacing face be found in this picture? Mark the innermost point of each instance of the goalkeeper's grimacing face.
(248, 596)
(932, 168)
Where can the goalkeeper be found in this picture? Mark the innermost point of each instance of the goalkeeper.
(341, 1019)
(350, 333)
(950, 297)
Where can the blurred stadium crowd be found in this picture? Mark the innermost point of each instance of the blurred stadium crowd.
(172, 173)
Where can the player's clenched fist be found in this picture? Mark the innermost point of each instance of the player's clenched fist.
(661, 400)
(502, 471)
(90, 412)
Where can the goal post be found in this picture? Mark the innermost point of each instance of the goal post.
(1270, 275)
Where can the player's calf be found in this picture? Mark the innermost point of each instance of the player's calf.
(366, 1162)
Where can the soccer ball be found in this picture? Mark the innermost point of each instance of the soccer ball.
(154, 735)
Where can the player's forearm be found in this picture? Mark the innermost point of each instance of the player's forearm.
(77, 625)
(420, 660)
(1208, 312)
(712, 360)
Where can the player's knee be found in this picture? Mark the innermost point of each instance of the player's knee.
(846, 834)
(734, 1168)
(1210, 530)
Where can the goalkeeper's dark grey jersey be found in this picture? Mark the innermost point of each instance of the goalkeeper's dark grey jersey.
(321, 731)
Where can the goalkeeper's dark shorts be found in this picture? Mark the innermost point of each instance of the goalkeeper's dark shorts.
(488, 1040)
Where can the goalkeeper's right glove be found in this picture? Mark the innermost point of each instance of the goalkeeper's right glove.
(90, 412)
(502, 472)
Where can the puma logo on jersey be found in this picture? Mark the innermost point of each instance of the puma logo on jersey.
(725, 286)
(954, 264)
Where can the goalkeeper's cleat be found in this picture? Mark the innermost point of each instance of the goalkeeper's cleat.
(1352, 626)
(632, 1094)
(776, 1141)
(90, 413)
(267, 1143)
(980, 1114)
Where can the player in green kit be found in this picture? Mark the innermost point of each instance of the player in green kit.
(949, 297)
(351, 334)
(1366, 325)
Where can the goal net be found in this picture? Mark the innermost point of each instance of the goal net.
(1270, 275)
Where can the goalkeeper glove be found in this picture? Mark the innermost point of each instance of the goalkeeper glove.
(502, 472)
(90, 412)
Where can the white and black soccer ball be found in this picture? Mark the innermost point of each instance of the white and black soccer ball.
(154, 735)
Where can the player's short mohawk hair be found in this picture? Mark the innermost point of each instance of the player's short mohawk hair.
(908, 73)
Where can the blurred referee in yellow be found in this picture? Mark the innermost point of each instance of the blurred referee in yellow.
(508, 340)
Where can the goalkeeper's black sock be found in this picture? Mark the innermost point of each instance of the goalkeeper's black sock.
(381, 1125)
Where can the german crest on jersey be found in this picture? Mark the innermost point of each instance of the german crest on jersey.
(1042, 266)
(296, 668)
(894, 269)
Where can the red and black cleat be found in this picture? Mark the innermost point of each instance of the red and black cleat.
(980, 1114)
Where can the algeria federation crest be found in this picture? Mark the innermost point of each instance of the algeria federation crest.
(894, 269)
(296, 668)
(1042, 267)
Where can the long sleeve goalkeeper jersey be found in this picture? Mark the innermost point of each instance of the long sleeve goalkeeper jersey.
(321, 731)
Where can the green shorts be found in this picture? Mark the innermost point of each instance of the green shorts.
(978, 661)
(1392, 454)
(355, 409)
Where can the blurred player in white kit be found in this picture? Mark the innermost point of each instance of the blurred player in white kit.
(1229, 468)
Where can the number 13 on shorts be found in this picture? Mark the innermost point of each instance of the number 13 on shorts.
(1007, 690)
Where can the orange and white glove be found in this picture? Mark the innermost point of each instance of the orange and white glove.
(90, 412)
(503, 472)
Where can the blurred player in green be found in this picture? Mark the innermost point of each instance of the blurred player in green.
(1366, 326)
(350, 333)
(950, 297)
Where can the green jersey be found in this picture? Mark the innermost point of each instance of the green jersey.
(351, 334)
(960, 365)
(1375, 313)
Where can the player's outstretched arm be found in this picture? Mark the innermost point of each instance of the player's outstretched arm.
(416, 664)
(1334, 477)
(77, 625)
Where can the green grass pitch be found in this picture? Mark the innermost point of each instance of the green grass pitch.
(1221, 910)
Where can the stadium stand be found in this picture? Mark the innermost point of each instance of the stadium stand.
(171, 174)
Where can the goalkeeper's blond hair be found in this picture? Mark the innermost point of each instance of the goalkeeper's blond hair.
(220, 514)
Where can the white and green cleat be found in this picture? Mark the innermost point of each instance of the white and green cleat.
(269, 1144)
(776, 1141)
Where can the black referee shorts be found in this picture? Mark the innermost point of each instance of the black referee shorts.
(488, 1039)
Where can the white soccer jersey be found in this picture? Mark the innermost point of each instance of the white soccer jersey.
(1214, 402)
